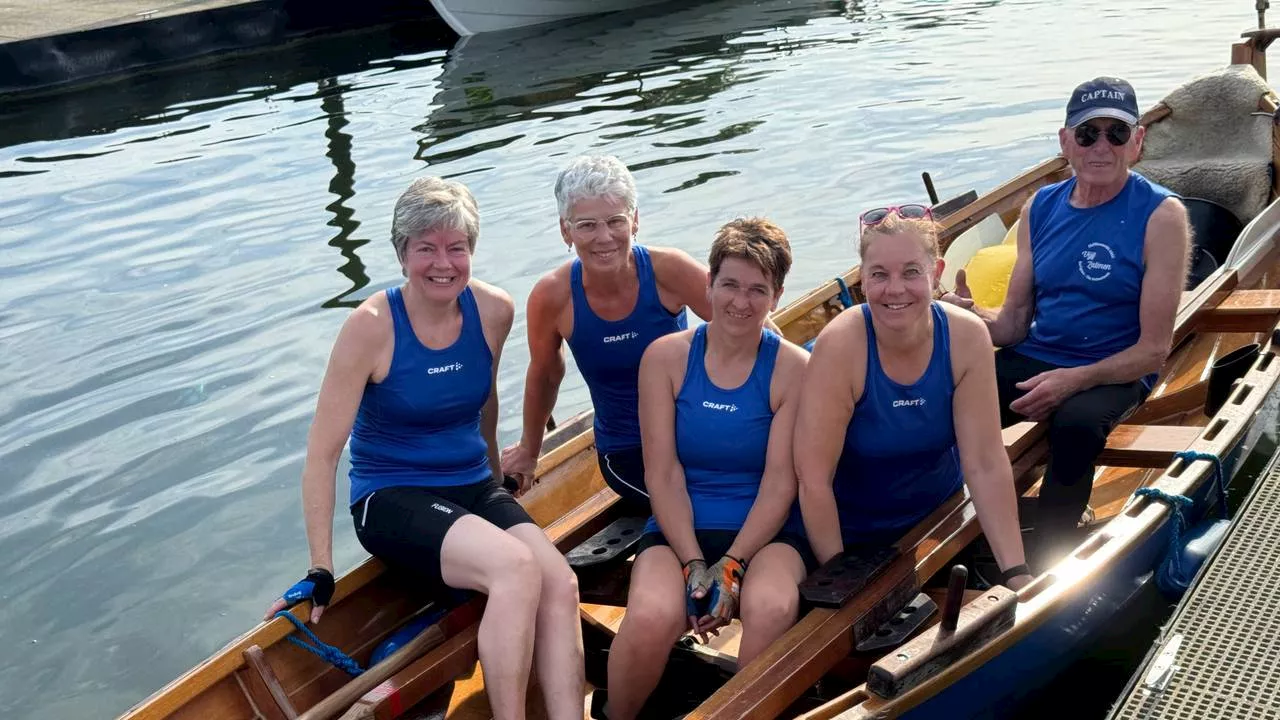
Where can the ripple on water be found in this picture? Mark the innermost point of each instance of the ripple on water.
(170, 281)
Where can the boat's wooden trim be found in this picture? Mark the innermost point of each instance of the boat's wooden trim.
(263, 688)
(1243, 311)
(1121, 535)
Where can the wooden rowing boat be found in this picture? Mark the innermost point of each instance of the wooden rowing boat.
(259, 675)
(1047, 621)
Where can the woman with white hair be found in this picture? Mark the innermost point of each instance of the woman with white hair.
(410, 383)
(608, 303)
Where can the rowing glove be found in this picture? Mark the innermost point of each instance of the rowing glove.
(317, 587)
(726, 587)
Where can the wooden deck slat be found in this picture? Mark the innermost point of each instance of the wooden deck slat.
(1147, 446)
(1243, 311)
(1142, 446)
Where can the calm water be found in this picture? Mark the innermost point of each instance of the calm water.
(178, 250)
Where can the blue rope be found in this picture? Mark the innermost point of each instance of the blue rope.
(325, 651)
(846, 298)
(1219, 477)
(1178, 504)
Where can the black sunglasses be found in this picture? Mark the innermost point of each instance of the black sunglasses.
(1117, 134)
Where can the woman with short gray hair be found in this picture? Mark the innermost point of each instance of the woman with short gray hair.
(410, 384)
(608, 303)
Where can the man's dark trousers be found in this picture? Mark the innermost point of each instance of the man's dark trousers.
(1078, 432)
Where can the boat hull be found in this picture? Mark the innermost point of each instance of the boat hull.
(1026, 667)
(470, 17)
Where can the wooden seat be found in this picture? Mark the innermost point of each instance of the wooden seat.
(1138, 446)
(1243, 311)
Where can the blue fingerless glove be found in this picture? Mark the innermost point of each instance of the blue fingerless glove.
(317, 587)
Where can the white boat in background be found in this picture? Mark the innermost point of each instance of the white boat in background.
(469, 17)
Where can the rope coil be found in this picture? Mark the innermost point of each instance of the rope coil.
(329, 653)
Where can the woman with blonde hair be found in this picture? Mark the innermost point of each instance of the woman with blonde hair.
(899, 407)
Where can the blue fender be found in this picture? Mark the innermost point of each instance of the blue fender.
(1173, 578)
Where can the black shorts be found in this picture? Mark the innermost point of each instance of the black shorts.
(715, 543)
(405, 526)
(623, 472)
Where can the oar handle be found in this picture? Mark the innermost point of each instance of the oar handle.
(955, 598)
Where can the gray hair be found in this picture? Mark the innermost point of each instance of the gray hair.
(592, 176)
(433, 203)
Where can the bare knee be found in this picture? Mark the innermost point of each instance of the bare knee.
(515, 572)
(654, 619)
(559, 584)
(770, 605)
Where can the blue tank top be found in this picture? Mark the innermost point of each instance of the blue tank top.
(608, 353)
(900, 460)
(420, 426)
(722, 437)
(1088, 270)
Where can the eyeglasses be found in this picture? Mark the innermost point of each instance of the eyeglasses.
(906, 212)
(1117, 134)
(588, 226)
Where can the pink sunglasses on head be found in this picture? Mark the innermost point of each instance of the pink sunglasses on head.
(906, 212)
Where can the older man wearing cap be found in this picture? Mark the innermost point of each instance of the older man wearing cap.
(1088, 317)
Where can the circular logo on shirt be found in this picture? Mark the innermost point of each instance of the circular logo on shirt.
(1095, 261)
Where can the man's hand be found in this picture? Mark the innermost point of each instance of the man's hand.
(1046, 392)
(519, 463)
(962, 296)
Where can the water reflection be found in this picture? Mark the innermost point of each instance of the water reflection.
(177, 252)
(343, 186)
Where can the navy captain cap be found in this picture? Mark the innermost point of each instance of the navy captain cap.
(1108, 97)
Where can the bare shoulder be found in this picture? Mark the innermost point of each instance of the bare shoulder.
(791, 358)
(552, 290)
(971, 344)
(964, 325)
(664, 258)
(369, 328)
(1170, 214)
(671, 349)
(494, 302)
(848, 329)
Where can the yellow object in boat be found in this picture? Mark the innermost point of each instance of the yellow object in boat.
(1011, 237)
(987, 274)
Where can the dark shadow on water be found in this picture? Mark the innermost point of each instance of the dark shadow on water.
(342, 185)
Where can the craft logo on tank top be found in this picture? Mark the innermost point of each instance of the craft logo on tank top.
(444, 368)
(622, 337)
(1095, 261)
(719, 406)
(918, 402)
